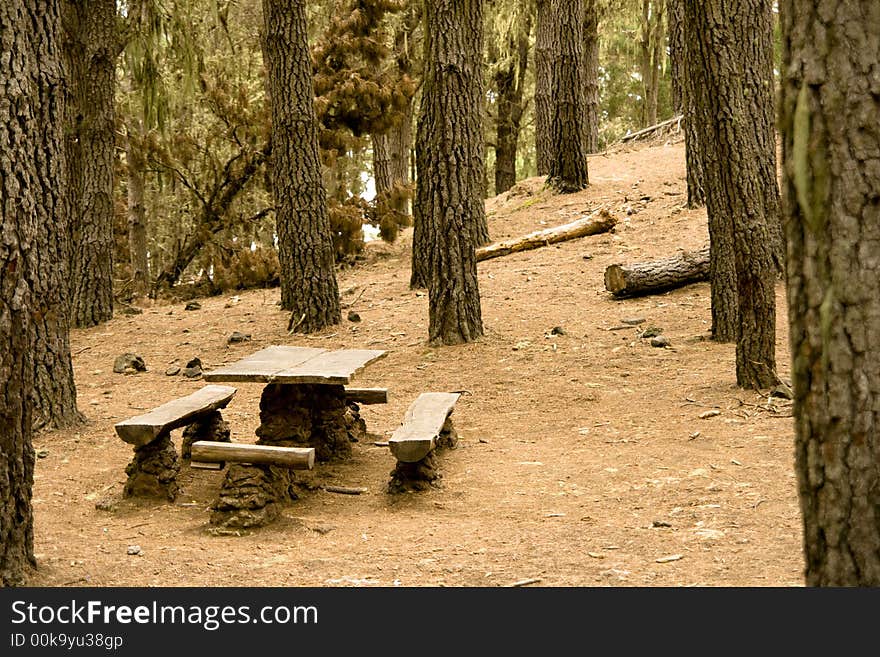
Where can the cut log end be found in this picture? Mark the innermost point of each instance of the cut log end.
(614, 279)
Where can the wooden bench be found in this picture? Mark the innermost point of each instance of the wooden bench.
(208, 454)
(422, 424)
(144, 429)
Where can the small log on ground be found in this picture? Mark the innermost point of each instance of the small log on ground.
(600, 221)
(643, 278)
(296, 458)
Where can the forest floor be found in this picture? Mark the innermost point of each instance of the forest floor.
(583, 459)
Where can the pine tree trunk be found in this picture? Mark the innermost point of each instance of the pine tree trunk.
(568, 160)
(682, 100)
(591, 74)
(651, 52)
(90, 57)
(831, 141)
(449, 161)
(732, 51)
(32, 203)
(137, 219)
(510, 84)
(391, 160)
(305, 246)
(545, 40)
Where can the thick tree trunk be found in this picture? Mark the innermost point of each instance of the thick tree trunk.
(731, 48)
(305, 245)
(32, 204)
(545, 40)
(683, 101)
(831, 142)
(568, 159)
(91, 48)
(449, 206)
(591, 74)
(137, 218)
(657, 275)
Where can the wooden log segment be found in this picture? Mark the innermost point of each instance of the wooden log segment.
(144, 429)
(424, 419)
(643, 278)
(367, 395)
(600, 221)
(295, 458)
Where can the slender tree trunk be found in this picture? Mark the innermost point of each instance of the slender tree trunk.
(391, 152)
(591, 74)
(91, 48)
(305, 246)
(510, 84)
(137, 218)
(732, 67)
(682, 99)
(831, 142)
(568, 162)
(652, 49)
(32, 204)
(449, 160)
(545, 38)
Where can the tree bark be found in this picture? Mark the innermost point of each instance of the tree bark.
(830, 104)
(305, 246)
(652, 50)
(91, 47)
(568, 158)
(591, 74)
(545, 38)
(32, 205)
(137, 218)
(682, 100)
(450, 217)
(658, 275)
(510, 80)
(731, 50)
(391, 152)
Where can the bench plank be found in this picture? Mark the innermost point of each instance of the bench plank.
(295, 458)
(143, 429)
(330, 367)
(424, 419)
(263, 365)
(367, 395)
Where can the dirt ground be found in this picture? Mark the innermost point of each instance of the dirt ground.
(583, 460)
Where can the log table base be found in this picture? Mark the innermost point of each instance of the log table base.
(153, 470)
(306, 415)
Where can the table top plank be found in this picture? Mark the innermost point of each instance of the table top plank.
(262, 365)
(292, 365)
(330, 367)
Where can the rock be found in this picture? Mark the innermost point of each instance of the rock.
(660, 341)
(193, 305)
(633, 321)
(42, 453)
(237, 336)
(651, 332)
(174, 370)
(557, 330)
(708, 414)
(129, 363)
(105, 505)
(522, 344)
(353, 316)
(783, 391)
(193, 369)
(133, 549)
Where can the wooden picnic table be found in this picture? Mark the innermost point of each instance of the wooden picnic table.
(303, 404)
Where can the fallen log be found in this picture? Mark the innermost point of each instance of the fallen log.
(658, 275)
(295, 458)
(600, 221)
